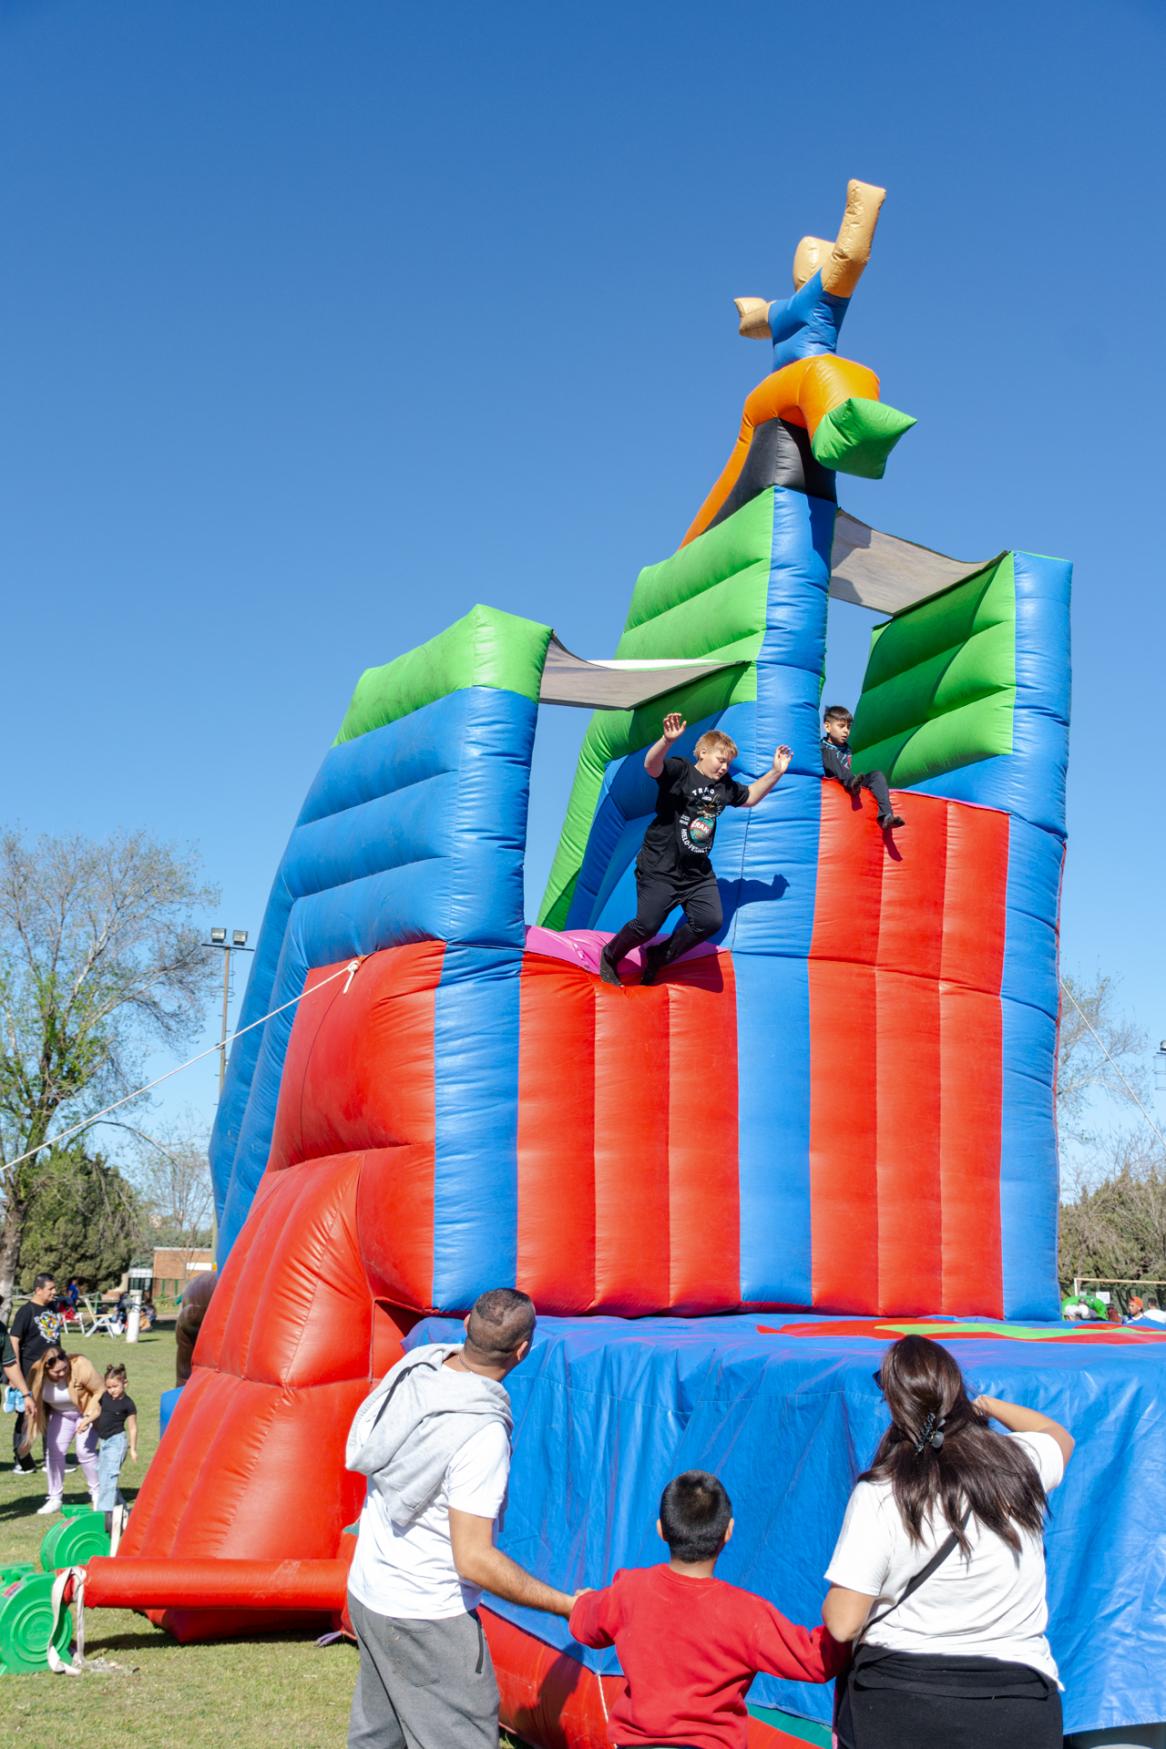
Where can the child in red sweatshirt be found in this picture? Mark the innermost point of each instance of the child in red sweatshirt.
(690, 1644)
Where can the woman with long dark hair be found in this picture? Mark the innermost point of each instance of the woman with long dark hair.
(939, 1572)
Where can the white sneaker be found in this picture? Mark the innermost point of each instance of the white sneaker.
(52, 1504)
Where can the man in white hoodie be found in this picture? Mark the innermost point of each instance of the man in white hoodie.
(433, 1439)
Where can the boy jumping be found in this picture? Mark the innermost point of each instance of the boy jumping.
(836, 763)
(674, 866)
(689, 1644)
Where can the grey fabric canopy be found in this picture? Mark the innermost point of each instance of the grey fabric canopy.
(885, 573)
(615, 685)
(875, 570)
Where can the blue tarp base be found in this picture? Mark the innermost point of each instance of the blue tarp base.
(785, 1410)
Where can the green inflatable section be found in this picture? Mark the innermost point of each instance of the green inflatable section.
(858, 436)
(940, 686)
(707, 601)
(484, 648)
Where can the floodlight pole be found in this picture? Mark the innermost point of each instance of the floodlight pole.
(236, 944)
(223, 1031)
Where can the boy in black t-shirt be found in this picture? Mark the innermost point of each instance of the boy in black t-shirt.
(115, 1423)
(674, 865)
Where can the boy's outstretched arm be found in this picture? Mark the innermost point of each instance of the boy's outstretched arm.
(784, 1648)
(674, 727)
(761, 788)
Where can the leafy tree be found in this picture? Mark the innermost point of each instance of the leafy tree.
(83, 1219)
(99, 961)
(1115, 1227)
(1113, 1201)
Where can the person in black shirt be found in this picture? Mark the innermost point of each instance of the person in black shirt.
(674, 866)
(35, 1326)
(836, 764)
(115, 1423)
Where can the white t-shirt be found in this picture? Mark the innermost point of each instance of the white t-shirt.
(409, 1573)
(56, 1395)
(990, 1604)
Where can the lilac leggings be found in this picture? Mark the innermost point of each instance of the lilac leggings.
(60, 1430)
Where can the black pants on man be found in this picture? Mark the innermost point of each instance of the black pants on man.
(655, 897)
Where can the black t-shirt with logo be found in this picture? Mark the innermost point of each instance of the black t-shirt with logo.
(34, 1327)
(678, 843)
(113, 1415)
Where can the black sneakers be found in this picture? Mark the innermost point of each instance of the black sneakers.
(889, 822)
(608, 971)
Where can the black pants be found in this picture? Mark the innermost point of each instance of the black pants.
(885, 1718)
(655, 897)
(905, 1700)
(877, 784)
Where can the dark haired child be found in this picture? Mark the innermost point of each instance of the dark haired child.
(690, 1644)
(836, 763)
(116, 1425)
(674, 866)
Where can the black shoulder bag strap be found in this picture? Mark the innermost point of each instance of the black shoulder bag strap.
(843, 1724)
(947, 1547)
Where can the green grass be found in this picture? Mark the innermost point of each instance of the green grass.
(141, 1689)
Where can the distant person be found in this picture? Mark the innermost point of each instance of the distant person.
(433, 1439)
(73, 1294)
(66, 1393)
(939, 1572)
(115, 1426)
(196, 1297)
(35, 1326)
(689, 1644)
(149, 1311)
(835, 745)
(1153, 1313)
(674, 866)
(17, 1397)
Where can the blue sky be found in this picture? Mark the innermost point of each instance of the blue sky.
(320, 323)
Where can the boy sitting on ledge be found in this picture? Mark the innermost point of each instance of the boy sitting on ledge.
(674, 865)
(836, 764)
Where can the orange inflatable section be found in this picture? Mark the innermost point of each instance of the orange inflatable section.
(801, 393)
(627, 1142)
(905, 971)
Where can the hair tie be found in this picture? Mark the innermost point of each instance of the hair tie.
(932, 1434)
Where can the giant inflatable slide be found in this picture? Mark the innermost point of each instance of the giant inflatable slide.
(726, 1190)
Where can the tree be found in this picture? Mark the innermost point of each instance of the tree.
(1113, 1197)
(173, 1180)
(1098, 1046)
(99, 960)
(1115, 1227)
(83, 1219)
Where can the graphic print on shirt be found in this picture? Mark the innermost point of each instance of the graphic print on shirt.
(697, 825)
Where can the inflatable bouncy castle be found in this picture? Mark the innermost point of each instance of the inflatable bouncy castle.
(725, 1190)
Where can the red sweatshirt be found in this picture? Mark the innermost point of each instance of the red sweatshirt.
(689, 1649)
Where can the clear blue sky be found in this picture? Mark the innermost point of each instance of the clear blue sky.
(321, 322)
